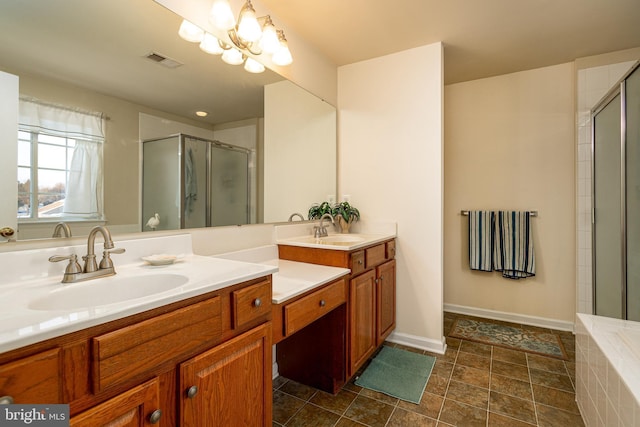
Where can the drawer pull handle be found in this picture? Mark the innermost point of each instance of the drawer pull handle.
(155, 416)
(381, 277)
(6, 400)
(191, 393)
(257, 302)
(359, 262)
(322, 303)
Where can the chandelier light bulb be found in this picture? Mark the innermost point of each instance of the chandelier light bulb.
(283, 56)
(190, 32)
(210, 44)
(269, 43)
(233, 56)
(248, 27)
(221, 15)
(253, 66)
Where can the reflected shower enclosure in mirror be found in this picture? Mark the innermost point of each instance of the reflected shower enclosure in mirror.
(93, 56)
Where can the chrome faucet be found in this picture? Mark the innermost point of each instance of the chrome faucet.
(320, 230)
(91, 270)
(60, 229)
(296, 214)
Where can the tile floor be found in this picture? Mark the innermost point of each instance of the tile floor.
(471, 385)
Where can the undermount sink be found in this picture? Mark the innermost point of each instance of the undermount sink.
(108, 290)
(340, 239)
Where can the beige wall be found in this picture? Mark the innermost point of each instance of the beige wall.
(509, 144)
(390, 163)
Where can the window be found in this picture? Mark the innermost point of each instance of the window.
(59, 163)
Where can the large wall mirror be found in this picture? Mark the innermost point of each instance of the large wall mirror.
(93, 56)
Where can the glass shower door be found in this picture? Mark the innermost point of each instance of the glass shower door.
(608, 259)
(632, 115)
(229, 186)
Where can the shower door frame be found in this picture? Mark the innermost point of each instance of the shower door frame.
(618, 89)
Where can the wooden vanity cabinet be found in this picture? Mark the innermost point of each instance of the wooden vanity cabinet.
(137, 371)
(371, 303)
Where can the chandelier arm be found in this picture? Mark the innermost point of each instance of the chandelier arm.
(254, 48)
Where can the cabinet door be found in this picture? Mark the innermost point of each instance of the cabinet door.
(229, 385)
(362, 319)
(136, 407)
(33, 379)
(386, 300)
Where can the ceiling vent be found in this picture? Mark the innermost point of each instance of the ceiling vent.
(163, 60)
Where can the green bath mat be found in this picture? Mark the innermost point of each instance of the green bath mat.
(398, 373)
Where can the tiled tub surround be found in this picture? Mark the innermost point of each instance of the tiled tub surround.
(608, 371)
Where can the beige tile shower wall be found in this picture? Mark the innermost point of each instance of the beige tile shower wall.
(509, 144)
(593, 83)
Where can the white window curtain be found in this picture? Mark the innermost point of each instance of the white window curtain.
(84, 187)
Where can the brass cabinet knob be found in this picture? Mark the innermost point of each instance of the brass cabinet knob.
(191, 393)
(322, 303)
(155, 416)
(7, 232)
(6, 400)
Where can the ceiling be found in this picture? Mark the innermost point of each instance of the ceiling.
(481, 38)
(101, 44)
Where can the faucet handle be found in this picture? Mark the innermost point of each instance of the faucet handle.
(106, 259)
(73, 267)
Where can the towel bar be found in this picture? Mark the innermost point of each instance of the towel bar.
(533, 213)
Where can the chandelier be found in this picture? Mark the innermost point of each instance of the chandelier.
(256, 35)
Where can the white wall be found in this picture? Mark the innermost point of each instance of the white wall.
(8, 167)
(510, 145)
(390, 137)
(299, 164)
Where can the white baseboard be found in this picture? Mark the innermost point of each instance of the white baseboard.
(511, 317)
(422, 343)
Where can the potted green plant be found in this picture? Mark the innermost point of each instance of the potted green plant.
(317, 210)
(345, 214)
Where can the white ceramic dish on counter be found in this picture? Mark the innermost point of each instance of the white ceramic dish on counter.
(162, 259)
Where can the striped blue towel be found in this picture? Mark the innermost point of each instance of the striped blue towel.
(513, 252)
(481, 240)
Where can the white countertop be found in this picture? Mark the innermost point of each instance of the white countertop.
(360, 241)
(21, 325)
(292, 278)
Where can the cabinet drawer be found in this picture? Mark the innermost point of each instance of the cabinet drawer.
(391, 249)
(33, 379)
(375, 255)
(123, 354)
(356, 264)
(251, 303)
(306, 310)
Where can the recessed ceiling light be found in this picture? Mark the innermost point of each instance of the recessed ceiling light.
(202, 113)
